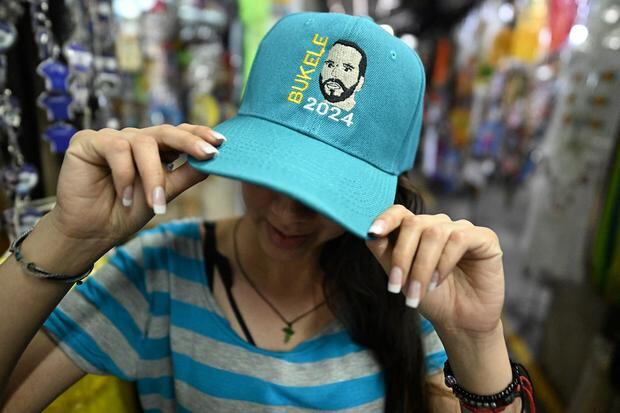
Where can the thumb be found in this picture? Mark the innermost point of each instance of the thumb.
(181, 179)
(381, 248)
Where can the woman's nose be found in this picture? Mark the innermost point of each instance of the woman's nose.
(283, 205)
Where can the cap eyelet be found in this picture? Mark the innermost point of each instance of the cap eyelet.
(393, 55)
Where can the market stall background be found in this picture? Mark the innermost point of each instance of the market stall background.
(521, 133)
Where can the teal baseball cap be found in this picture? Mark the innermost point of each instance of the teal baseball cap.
(330, 116)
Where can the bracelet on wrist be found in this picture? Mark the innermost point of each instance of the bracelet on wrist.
(494, 403)
(32, 269)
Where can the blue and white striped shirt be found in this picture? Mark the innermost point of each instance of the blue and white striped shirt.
(149, 316)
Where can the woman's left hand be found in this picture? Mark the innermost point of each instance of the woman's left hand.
(452, 269)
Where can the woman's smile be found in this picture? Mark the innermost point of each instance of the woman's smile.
(282, 240)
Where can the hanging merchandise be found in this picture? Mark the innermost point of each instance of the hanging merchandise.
(531, 37)
(132, 97)
(79, 55)
(106, 78)
(56, 99)
(17, 177)
(562, 14)
(483, 129)
(577, 149)
(460, 114)
(515, 146)
(208, 74)
(440, 162)
(78, 93)
(162, 71)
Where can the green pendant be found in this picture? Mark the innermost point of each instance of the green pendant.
(288, 333)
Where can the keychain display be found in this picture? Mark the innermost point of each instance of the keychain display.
(107, 81)
(80, 92)
(24, 215)
(56, 100)
(55, 75)
(17, 177)
(59, 135)
(79, 57)
(171, 62)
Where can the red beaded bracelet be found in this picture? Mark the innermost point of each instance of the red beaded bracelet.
(520, 386)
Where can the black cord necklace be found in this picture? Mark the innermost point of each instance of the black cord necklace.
(288, 329)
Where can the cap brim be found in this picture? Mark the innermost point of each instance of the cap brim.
(346, 189)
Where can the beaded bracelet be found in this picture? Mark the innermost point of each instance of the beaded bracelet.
(32, 269)
(495, 402)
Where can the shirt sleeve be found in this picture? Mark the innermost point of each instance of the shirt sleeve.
(435, 354)
(101, 324)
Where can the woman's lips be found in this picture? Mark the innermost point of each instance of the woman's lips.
(285, 241)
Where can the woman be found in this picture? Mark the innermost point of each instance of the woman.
(285, 308)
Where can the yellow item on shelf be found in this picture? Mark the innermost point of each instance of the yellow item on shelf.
(97, 394)
(526, 39)
(502, 45)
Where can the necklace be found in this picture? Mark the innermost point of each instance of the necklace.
(288, 329)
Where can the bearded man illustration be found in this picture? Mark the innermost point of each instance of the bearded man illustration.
(343, 74)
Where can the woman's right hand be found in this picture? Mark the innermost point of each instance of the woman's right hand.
(111, 182)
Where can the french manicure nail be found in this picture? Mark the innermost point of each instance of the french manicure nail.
(219, 136)
(433, 283)
(206, 148)
(127, 196)
(377, 227)
(413, 294)
(395, 281)
(159, 200)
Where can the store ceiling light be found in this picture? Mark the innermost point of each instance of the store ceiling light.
(612, 40)
(611, 15)
(388, 28)
(544, 73)
(131, 9)
(506, 12)
(410, 40)
(578, 35)
(544, 37)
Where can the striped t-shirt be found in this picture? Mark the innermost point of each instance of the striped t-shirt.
(148, 315)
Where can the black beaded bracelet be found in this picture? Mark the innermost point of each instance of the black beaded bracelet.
(501, 399)
(32, 269)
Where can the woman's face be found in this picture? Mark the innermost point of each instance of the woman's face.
(286, 228)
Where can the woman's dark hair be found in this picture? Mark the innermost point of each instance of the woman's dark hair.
(376, 318)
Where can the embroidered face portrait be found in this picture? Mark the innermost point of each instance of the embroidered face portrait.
(343, 74)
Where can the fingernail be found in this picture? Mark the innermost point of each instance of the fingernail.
(127, 196)
(159, 200)
(219, 136)
(206, 148)
(434, 279)
(377, 227)
(395, 281)
(413, 294)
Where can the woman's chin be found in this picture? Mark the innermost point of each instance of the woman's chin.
(280, 247)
